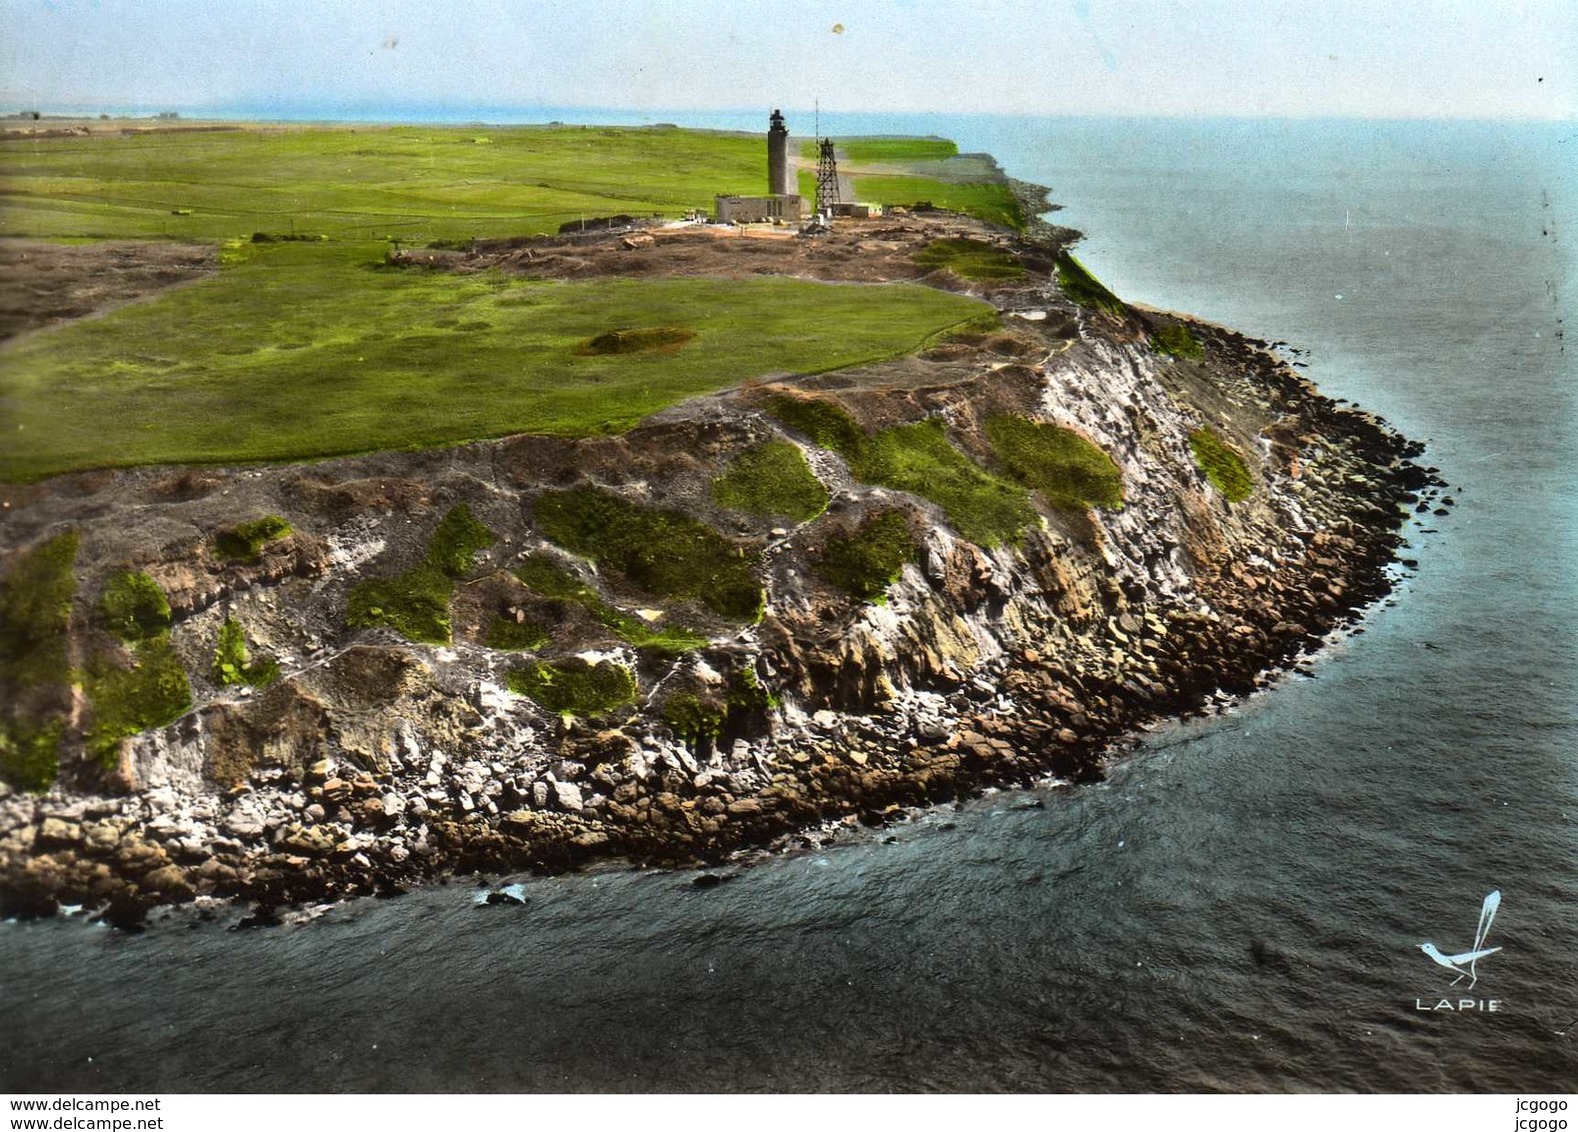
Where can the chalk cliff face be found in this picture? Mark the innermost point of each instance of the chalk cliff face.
(594, 698)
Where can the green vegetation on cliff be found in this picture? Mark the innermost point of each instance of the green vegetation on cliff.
(971, 259)
(700, 718)
(415, 604)
(133, 607)
(547, 577)
(1085, 289)
(551, 580)
(694, 721)
(231, 666)
(244, 542)
(1176, 339)
(574, 687)
(30, 753)
(917, 458)
(35, 609)
(512, 636)
(460, 537)
(151, 693)
(1222, 464)
(772, 479)
(825, 423)
(665, 553)
(1068, 470)
(864, 564)
(154, 690)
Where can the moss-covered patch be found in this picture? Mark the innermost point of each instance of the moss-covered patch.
(1085, 289)
(574, 687)
(663, 552)
(151, 693)
(508, 635)
(231, 666)
(35, 609)
(551, 580)
(133, 607)
(772, 479)
(920, 459)
(460, 537)
(694, 721)
(864, 564)
(636, 340)
(1222, 464)
(244, 542)
(1071, 472)
(1177, 340)
(707, 717)
(415, 604)
(828, 425)
(971, 259)
(746, 693)
(30, 753)
(668, 640)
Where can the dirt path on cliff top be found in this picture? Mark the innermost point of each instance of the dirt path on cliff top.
(879, 250)
(44, 285)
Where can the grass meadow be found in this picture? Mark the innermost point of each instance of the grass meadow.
(363, 182)
(308, 350)
(316, 348)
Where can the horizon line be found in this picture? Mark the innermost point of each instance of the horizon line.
(410, 114)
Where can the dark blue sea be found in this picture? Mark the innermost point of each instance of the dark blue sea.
(1238, 907)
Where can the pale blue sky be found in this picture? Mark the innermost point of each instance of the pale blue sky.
(1409, 58)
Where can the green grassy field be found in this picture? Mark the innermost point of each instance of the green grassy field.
(313, 349)
(994, 203)
(308, 350)
(415, 182)
(872, 151)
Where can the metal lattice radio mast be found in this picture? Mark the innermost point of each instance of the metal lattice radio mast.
(826, 178)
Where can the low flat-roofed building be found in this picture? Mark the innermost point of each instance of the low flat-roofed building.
(757, 210)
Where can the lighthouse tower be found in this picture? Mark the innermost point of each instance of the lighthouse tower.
(778, 172)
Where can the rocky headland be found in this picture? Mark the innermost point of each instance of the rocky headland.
(813, 600)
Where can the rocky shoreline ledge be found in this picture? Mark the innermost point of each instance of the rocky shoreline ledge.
(369, 759)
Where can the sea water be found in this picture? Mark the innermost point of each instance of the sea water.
(1238, 907)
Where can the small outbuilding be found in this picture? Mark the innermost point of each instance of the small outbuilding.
(788, 207)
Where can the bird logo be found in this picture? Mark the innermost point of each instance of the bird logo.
(1487, 914)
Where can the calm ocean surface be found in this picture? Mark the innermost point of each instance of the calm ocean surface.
(1238, 908)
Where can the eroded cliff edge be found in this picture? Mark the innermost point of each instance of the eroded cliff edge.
(818, 598)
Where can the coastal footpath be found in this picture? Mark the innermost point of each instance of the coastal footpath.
(806, 600)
